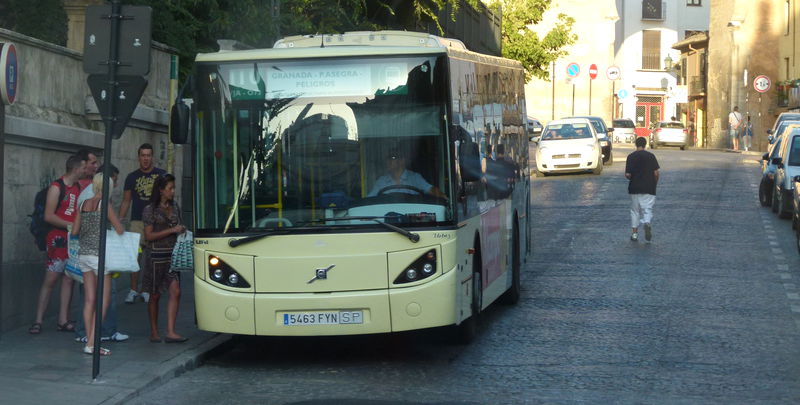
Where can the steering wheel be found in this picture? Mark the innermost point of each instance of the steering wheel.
(400, 187)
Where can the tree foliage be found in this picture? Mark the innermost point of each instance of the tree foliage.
(193, 26)
(41, 19)
(521, 43)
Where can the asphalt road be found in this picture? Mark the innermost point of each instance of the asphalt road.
(708, 313)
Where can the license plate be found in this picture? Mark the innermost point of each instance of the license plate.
(323, 318)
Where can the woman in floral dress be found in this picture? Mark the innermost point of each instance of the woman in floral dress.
(162, 224)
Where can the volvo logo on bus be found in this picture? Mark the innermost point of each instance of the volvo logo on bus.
(321, 274)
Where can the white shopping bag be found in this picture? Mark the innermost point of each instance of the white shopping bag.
(122, 251)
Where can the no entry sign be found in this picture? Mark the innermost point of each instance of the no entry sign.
(593, 71)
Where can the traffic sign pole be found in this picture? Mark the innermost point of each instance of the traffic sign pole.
(116, 56)
(552, 95)
(613, 99)
(109, 120)
(592, 76)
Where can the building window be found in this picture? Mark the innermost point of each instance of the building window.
(653, 10)
(651, 49)
(696, 3)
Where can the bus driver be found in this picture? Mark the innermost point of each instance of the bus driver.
(398, 175)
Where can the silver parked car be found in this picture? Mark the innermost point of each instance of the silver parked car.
(669, 133)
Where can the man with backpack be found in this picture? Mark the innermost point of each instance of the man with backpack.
(59, 211)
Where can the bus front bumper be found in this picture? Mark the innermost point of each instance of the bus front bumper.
(423, 306)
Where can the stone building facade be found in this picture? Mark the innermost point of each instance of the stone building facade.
(743, 44)
(559, 95)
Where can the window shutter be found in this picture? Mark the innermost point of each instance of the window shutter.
(651, 49)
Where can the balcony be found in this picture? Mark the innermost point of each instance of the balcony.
(697, 86)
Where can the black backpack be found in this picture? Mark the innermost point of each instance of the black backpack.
(39, 227)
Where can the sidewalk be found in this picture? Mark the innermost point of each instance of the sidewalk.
(51, 368)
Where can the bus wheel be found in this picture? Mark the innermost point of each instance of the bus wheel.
(511, 296)
(467, 330)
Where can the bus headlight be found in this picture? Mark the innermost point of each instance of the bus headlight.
(411, 274)
(224, 274)
(423, 267)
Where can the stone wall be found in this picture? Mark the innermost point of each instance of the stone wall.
(743, 43)
(53, 117)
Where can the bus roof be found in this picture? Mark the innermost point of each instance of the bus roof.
(358, 43)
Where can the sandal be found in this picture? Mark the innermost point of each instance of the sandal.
(67, 326)
(90, 350)
(35, 329)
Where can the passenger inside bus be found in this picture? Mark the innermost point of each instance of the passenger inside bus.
(398, 179)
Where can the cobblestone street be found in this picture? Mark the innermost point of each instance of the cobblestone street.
(709, 312)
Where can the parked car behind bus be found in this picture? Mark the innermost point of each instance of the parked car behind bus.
(604, 135)
(669, 133)
(624, 130)
(787, 165)
(569, 145)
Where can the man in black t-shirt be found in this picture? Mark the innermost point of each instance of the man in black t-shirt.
(641, 168)
(136, 195)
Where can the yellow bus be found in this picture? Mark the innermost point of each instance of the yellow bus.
(356, 183)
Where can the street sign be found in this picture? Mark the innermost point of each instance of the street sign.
(622, 93)
(129, 91)
(9, 74)
(613, 73)
(573, 70)
(593, 71)
(134, 40)
(679, 94)
(762, 83)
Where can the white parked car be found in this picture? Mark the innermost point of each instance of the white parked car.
(624, 130)
(669, 133)
(569, 145)
(787, 166)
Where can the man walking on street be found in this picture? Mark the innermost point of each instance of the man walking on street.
(138, 186)
(641, 168)
(735, 125)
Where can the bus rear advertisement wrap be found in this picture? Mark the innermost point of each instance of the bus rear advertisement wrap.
(348, 190)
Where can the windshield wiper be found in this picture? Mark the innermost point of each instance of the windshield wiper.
(410, 235)
(248, 239)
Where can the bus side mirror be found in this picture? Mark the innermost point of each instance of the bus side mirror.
(180, 118)
(770, 139)
(470, 162)
(179, 123)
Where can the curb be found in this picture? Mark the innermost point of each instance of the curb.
(186, 361)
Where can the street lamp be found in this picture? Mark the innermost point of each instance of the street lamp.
(667, 63)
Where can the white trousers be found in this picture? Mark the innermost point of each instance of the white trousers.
(641, 209)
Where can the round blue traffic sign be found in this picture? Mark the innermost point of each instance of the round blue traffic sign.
(573, 70)
(9, 73)
(622, 93)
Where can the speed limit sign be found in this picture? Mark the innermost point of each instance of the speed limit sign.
(762, 84)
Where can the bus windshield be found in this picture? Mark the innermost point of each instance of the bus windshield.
(314, 142)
